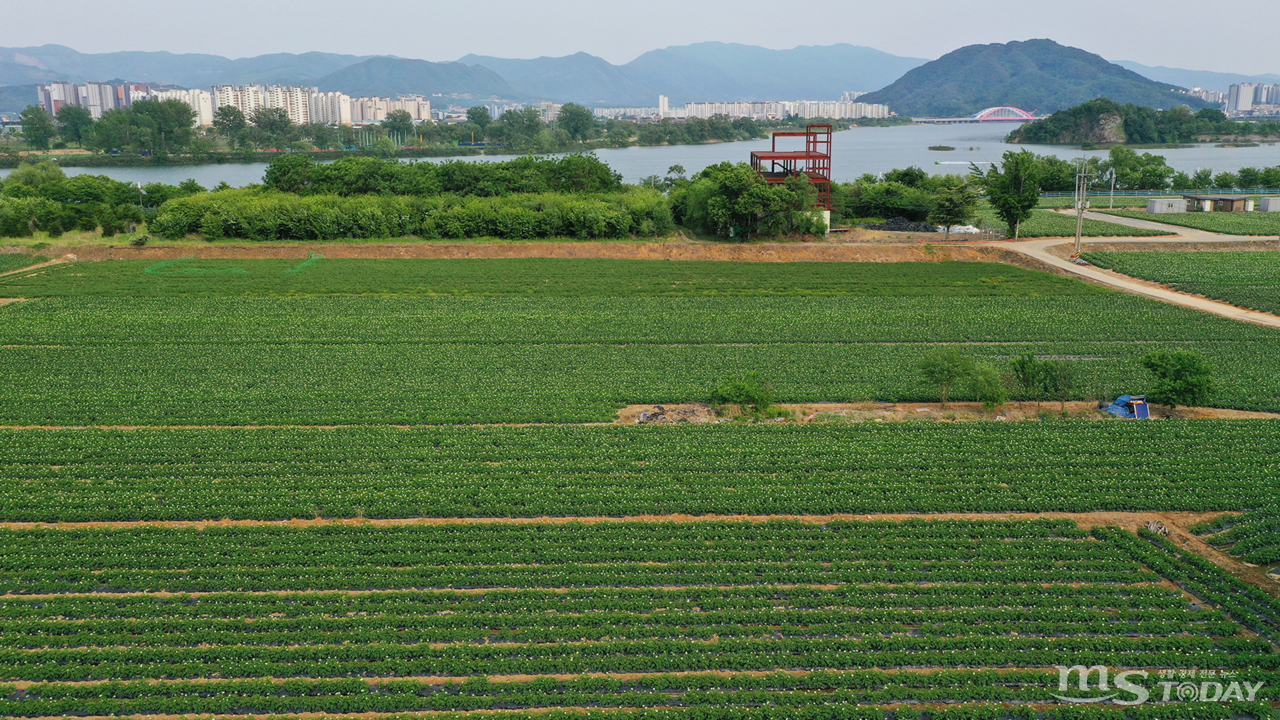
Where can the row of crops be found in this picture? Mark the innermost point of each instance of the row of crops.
(1253, 536)
(531, 277)
(339, 360)
(1254, 223)
(559, 471)
(698, 690)
(345, 619)
(1246, 279)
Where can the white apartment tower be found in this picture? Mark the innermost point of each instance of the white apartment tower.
(1240, 99)
(201, 101)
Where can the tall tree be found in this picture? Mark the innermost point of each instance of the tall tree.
(1013, 188)
(274, 122)
(38, 127)
(953, 206)
(229, 120)
(479, 116)
(73, 120)
(398, 122)
(576, 120)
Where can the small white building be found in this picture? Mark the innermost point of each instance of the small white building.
(1161, 206)
(1271, 204)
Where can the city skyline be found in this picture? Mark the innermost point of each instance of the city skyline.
(913, 28)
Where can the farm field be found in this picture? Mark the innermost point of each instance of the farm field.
(1254, 223)
(17, 261)
(529, 277)
(1245, 279)
(319, 498)
(1253, 536)
(417, 359)
(1046, 223)
(442, 608)
(283, 473)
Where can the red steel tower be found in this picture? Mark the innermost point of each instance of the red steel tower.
(814, 162)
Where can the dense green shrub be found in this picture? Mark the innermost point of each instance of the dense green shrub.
(258, 215)
(374, 176)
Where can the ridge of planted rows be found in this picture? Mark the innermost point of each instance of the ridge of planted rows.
(497, 472)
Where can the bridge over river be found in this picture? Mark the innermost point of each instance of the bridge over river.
(990, 115)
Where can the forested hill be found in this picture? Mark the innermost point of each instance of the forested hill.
(1106, 121)
(1040, 76)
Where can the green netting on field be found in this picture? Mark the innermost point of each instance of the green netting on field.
(312, 258)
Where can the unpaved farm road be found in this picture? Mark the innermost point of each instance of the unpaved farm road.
(1039, 250)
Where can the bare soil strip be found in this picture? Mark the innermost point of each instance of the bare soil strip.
(674, 413)
(1129, 521)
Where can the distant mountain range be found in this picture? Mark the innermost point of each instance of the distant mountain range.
(52, 63)
(1039, 76)
(386, 77)
(1218, 81)
(1036, 75)
(704, 72)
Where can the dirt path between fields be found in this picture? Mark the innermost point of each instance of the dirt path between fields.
(1050, 251)
(803, 413)
(1127, 520)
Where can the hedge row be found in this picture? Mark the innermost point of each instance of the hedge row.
(22, 216)
(256, 215)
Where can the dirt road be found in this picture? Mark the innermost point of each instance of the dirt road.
(1041, 250)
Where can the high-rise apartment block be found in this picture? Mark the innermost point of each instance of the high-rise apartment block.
(295, 101)
(97, 98)
(201, 101)
(1240, 98)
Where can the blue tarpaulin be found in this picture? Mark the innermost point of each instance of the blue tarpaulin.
(1129, 406)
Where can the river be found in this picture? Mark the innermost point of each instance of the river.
(856, 151)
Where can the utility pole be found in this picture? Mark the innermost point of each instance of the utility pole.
(1082, 194)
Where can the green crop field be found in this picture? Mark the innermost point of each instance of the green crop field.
(17, 261)
(442, 608)
(283, 473)
(317, 497)
(531, 277)
(413, 359)
(1247, 279)
(1254, 536)
(1254, 223)
(1046, 223)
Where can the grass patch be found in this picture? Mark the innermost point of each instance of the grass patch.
(1249, 279)
(1045, 223)
(1255, 223)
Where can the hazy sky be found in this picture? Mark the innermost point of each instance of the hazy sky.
(1238, 37)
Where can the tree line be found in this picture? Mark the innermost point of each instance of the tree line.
(165, 127)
